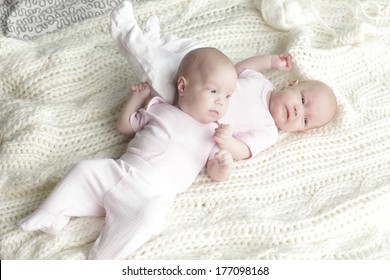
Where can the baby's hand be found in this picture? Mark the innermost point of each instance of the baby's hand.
(281, 62)
(224, 159)
(223, 135)
(142, 89)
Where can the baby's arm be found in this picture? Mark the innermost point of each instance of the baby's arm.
(224, 137)
(220, 167)
(140, 93)
(262, 63)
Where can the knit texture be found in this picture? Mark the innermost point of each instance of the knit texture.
(323, 194)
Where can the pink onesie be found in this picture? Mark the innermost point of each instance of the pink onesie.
(172, 142)
(137, 191)
(248, 113)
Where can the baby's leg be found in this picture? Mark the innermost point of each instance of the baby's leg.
(79, 193)
(154, 60)
(135, 211)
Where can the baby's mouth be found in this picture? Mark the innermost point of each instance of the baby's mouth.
(214, 112)
(287, 113)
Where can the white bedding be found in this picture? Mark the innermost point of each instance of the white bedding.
(324, 194)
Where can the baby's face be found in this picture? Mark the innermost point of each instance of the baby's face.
(302, 106)
(206, 95)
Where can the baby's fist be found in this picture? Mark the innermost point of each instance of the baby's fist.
(281, 62)
(141, 89)
(224, 159)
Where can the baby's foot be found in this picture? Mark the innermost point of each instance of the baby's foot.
(44, 221)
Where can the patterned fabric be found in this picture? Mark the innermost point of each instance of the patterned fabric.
(323, 194)
(29, 19)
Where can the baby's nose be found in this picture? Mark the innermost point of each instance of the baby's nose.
(220, 101)
(297, 110)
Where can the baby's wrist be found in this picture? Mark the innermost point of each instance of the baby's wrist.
(140, 95)
(273, 57)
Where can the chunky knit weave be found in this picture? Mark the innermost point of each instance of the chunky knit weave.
(324, 194)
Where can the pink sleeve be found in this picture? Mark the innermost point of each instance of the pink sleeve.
(258, 140)
(140, 118)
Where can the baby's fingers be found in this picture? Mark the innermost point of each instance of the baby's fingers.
(224, 129)
(287, 61)
(139, 87)
(224, 158)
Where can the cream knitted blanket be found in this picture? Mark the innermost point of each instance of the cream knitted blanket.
(324, 194)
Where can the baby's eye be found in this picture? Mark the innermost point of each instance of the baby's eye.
(212, 90)
(228, 96)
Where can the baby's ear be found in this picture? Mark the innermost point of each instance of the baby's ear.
(293, 83)
(181, 85)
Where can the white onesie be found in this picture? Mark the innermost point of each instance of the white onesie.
(248, 113)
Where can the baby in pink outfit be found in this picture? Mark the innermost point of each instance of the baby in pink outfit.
(170, 147)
